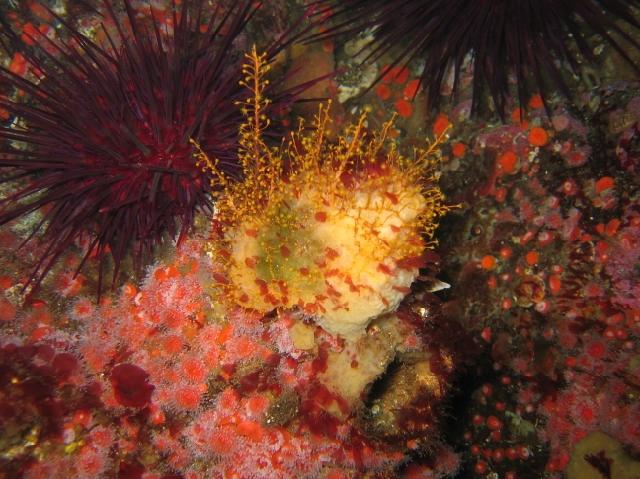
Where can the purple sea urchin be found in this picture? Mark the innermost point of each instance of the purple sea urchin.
(101, 142)
(533, 40)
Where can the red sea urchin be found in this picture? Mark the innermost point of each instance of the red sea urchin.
(102, 132)
(533, 40)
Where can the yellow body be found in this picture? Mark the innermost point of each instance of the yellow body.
(335, 229)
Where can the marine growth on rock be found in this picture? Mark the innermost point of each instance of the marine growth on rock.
(336, 229)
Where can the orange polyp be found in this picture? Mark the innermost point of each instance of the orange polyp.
(536, 102)
(404, 108)
(181, 292)
(284, 251)
(441, 124)
(612, 226)
(458, 150)
(386, 74)
(515, 115)
(244, 346)
(538, 136)
(250, 429)
(224, 334)
(602, 247)
(82, 309)
(40, 11)
(18, 64)
(395, 74)
(411, 89)
(251, 232)
(250, 262)
(172, 344)
(129, 290)
(508, 162)
(39, 333)
(577, 158)
(29, 32)
(488, 262)
(383, 91)
(188, 397)
(160, 274)
(6, 282)
(401, 76)
(257, 404)
(604, 183)
(194, 370)
(7, 310)
(531, 258)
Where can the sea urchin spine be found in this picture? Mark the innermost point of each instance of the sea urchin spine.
(539, 42)
(99, 135)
